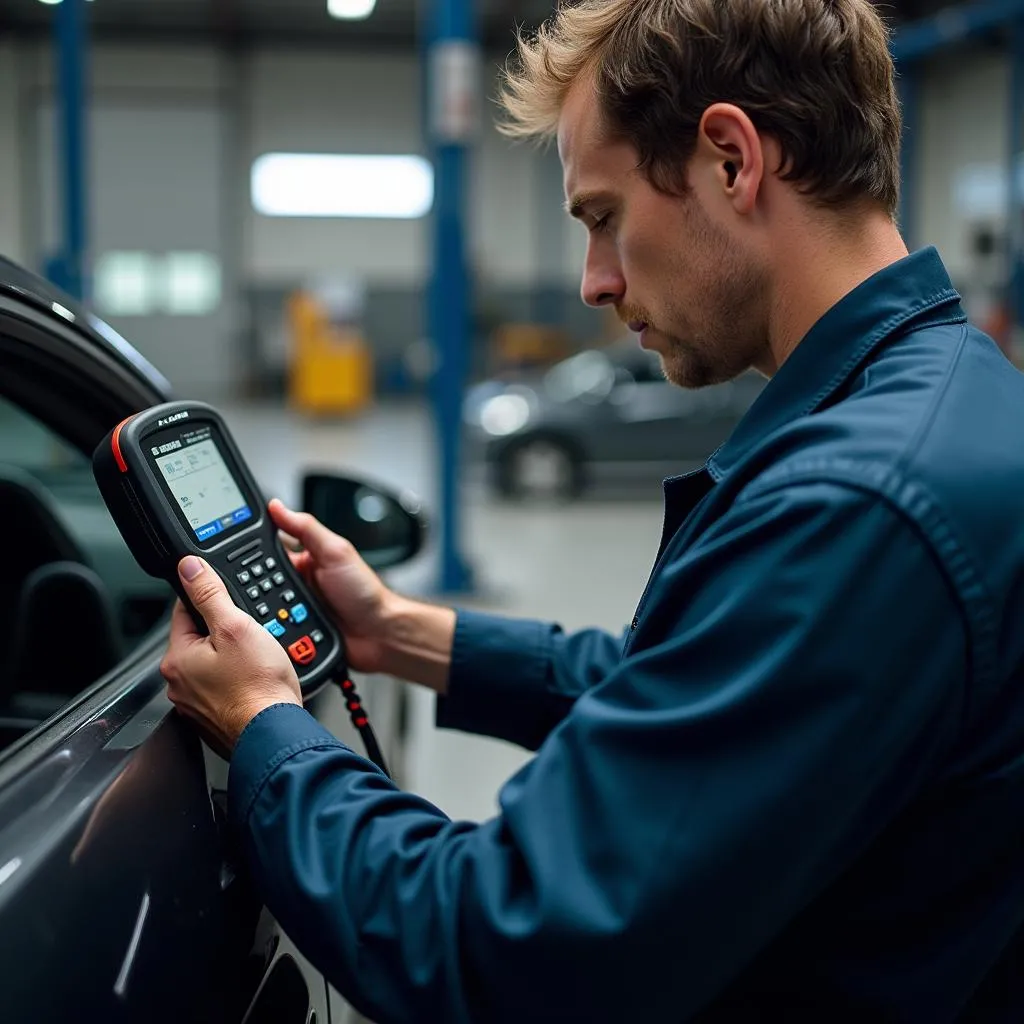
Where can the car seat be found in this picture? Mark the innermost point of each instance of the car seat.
(65, 637)
(33, 535)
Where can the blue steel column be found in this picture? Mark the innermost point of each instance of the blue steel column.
(1015, 199)
(69, 271)
(907, 83)
(450, 297)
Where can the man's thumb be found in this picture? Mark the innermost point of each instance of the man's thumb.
(205, 590)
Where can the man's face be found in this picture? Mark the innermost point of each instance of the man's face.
(676, 274)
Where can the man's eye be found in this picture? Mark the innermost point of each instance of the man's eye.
(601, 223)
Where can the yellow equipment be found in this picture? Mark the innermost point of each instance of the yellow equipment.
(331, 369)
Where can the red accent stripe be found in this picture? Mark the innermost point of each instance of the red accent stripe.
(115, 443)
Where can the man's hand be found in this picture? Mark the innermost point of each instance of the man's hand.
(226, 679)
(348, 586)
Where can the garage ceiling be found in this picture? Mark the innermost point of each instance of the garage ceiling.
(241, 22)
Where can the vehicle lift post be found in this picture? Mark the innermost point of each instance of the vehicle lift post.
(454, 80)
(67, 269)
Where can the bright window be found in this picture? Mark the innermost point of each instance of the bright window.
(125, 284)
(325, 185)
(144, 284)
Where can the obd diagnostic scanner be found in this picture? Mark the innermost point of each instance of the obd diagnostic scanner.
(176, 485)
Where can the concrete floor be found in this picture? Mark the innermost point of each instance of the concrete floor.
(580, 564)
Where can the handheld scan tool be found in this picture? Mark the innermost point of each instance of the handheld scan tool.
(176, 485)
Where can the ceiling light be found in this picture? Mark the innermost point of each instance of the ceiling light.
(350, 10)
(53, 2)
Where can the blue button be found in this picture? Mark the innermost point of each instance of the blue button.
(274, 628)
(207, 531)
(299, 613)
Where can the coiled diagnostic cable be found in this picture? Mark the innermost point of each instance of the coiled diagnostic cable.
(361, 721)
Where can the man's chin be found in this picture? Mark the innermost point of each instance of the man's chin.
(687, 372)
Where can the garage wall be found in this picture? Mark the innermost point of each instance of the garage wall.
(524, 252)
(962, 156)
(314, 102)
(10, 168)
(306, 102)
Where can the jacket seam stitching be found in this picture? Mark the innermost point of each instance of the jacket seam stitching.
(975, 603)
(279, 759)
(881, 332)
(929, 419)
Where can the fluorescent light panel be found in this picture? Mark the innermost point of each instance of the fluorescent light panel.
(350, 10)
(327, 185)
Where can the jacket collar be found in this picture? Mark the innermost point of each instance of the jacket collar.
(916, 288)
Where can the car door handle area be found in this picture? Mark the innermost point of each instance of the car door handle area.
(112, 897)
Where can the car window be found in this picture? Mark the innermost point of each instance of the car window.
(73, 599)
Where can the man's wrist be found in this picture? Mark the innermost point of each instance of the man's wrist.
(237, 721)
(417, 642)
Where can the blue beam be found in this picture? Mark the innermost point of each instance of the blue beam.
(69, 270)
(951, 26)
(452, 78)
(1015, 198)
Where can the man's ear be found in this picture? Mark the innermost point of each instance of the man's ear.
(728, 139)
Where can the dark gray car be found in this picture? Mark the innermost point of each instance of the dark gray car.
(602, 414)
(121, 897)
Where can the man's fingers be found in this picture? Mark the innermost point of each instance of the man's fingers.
(208, 594)
(183, 628)
(308, 531)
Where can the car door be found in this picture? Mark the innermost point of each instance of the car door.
(120, 896)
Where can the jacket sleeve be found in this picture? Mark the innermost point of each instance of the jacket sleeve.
(688, 808)
(516, 679)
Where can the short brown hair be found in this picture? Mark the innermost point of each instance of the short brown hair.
(816, 75)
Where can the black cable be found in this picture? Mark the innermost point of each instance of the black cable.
(361, 721)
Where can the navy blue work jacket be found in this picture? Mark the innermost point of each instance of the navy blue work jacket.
(794, 791)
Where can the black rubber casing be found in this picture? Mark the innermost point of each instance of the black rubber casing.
(156, 529)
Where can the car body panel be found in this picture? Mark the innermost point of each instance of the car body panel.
(120, 898)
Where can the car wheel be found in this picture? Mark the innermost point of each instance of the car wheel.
(540, 468)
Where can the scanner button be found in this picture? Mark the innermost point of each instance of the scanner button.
(271, 564)
(279, 579)
(253, 592)
(274, 628)
(288, 596)
(257, 570)
(244, 549)
(299, 613)
(244, 577)
(266, 586)
(262, 610)
(303, 651)
(317, 636)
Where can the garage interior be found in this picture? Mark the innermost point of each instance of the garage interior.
(181, 98)
(315, 330)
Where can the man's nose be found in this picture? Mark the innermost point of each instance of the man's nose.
(603, 283)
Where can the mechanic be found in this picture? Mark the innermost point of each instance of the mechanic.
(793, 789)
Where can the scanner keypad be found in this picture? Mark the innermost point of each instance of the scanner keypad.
(277, 607)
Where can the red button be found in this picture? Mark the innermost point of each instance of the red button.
(303, 651)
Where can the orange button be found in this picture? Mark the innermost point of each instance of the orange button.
(303, 651)
(283, 615)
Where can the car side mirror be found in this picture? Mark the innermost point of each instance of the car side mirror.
(386, 528)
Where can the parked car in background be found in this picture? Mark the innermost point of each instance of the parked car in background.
(121, 896)
(601, 415)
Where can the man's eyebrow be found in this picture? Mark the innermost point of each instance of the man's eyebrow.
(576, 205)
